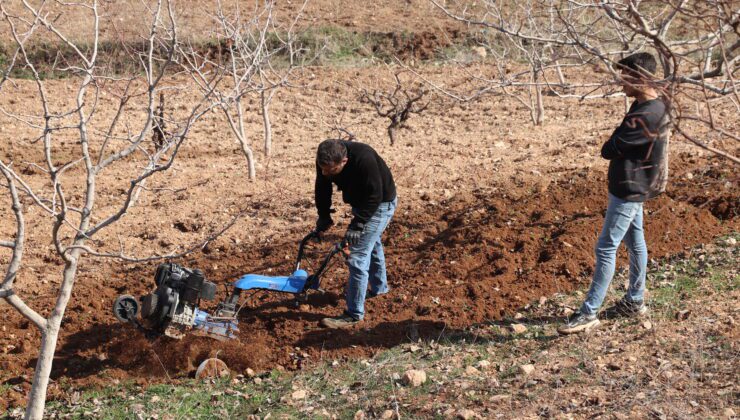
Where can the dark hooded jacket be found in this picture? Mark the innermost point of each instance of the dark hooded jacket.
(638, 153)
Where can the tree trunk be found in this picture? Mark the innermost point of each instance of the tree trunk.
(250, 159)
(392, 133)
(561, 77)
(37, 398)
(267, 124)
(539, 105)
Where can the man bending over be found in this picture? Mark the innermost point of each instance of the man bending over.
(367, 185)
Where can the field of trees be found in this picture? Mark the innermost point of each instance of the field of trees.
(137, 132)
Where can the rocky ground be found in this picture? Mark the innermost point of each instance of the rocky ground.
(679, 361)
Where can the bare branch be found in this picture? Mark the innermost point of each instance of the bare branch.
(193, 248)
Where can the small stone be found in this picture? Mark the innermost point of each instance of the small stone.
(729, 413)
(543, 300)
(689, 176)
(731, 241)
(257, 380)
(471, 371)
(212, 368)
(694, 403)
(467, 414)
(414, 377)
(647, 325)
(304, 308)
(359, 415)
(155, 399)
(567, 245)
(387, 415)
(526, 369)
(518, 328)
(480, 51)
(298, 395)
(484, 364)
(518, 315)
(250, 373)
(683, 315)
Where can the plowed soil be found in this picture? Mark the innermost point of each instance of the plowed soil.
(493, 214)
(474, 258)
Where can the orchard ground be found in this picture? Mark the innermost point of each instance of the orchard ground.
(494, 214)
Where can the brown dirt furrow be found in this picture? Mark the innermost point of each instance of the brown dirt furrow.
(477, 256)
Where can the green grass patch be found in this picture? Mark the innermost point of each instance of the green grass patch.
(704, 272)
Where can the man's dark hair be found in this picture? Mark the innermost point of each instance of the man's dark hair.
(639, 64)
(330, 152)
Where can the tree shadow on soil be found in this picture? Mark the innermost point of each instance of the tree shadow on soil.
(392, 334)
(81, 354)
(289, 309)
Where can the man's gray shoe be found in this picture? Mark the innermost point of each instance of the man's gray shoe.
(579, 322)
(628, 308)
(371, 294)
(343, 321)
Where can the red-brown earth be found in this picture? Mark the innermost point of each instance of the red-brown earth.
(493, 214)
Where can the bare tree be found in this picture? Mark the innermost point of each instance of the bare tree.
(696, 42)
(253, 42)
(397, 104)
(101, 143)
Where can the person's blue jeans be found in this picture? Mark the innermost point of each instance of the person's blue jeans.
(366, 261)
(623, 221)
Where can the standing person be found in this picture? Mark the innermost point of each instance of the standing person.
(638, 171)
(367, 185)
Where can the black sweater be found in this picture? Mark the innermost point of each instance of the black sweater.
(637, 151)
(365, 182)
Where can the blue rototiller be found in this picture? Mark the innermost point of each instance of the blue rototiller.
(172, 308)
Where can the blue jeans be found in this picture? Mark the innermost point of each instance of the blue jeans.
(367, 262)
(623, 221)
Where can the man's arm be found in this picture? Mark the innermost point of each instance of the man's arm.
(322, 194)
(632, 135)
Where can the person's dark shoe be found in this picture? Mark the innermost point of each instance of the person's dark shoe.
(342, 321)
(628, 308)
(579, 322)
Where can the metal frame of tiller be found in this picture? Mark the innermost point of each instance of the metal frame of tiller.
(298, 283)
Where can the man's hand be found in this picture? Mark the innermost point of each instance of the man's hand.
(354, 233)
(323, 224)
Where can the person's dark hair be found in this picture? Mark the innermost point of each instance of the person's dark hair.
(638, 64)
(330, 152)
